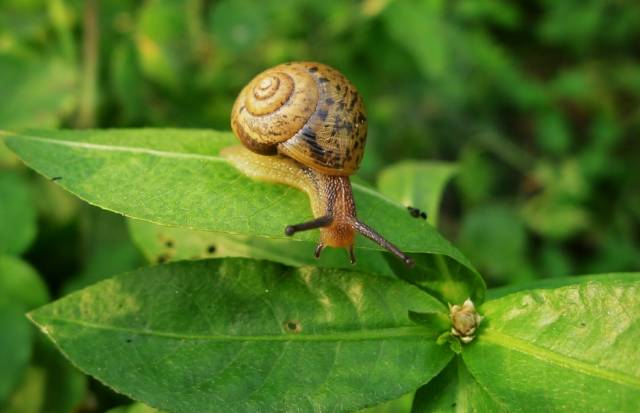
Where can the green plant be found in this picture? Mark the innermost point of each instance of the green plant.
(246, 334)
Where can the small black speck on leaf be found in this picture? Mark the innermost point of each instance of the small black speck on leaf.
(414, 212)
(162, 258)
(169, 243)
(56, 178)
(211, 249)
(129, 340)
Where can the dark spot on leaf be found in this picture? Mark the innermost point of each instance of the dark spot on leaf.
(169, 243)
(293, 326)
(423, 215)
(453, 404)
(56, 178)
(162, 258)
(129, 340)
(583, 324)
(211, 249)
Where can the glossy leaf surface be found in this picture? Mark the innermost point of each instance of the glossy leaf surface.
(572, 348)
(242, 335)
(174, 177)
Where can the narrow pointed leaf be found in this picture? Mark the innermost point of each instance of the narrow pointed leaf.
(175, 177)
(572, 348)
(240, 335)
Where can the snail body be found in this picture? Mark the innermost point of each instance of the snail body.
(303, 124)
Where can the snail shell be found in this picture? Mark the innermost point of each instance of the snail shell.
(304, 110)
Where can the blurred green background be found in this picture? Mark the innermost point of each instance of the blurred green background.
(536, 101)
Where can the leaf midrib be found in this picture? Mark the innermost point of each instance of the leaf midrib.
(541, 353)
(361, 335)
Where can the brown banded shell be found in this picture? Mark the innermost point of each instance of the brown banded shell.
(307, 111)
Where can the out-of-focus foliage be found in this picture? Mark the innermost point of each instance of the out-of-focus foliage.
(537, 102)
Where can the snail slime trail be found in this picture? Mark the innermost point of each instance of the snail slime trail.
(303, 124)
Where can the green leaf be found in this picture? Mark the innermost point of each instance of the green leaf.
(407, 22)
(163, 244)
(242, 335)
(454, 389)
(572, 348)
(134, 408)
(21, 283)
(417, 184)
(551, 283)
(173, 177)
(15, 342)
(495, 239)
(36, 92)
(399, 405)
(163, 47)
(447, 280)
(18, 223)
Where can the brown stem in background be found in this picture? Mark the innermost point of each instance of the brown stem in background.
(88, 82)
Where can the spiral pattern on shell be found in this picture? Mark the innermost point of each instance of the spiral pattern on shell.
(307, 111)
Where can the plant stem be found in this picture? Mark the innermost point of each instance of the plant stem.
(88, 86)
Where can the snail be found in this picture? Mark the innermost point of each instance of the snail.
(303, 124)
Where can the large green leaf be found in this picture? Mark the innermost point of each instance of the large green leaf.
(417, 184)
(242, 335)
(174, 177)
(36, 91)
(18, 214)
(572, 348)
(454, 390)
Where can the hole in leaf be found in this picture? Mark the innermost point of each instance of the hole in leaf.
(293, 326)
